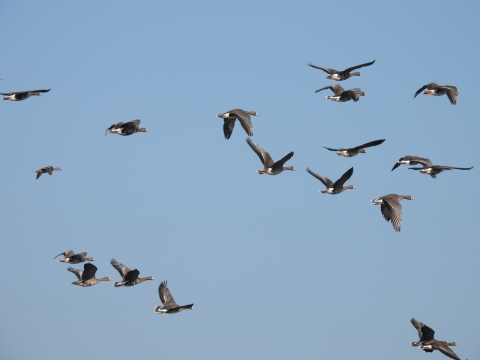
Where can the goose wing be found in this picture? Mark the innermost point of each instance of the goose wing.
(327, 70)
(283, 160)
(339, 183)
(165, 296)
(430, 86)
(336, 88)
(358, 67)
(424, 332)
(369, 144)
(130, 127)
(89, 271)
(244, 119)
(325, 181)
(264, 156)
(394, 212)
(444, 349)
(66, 254)
(78, 273)
(228, 125)
(451, 92)
(131, 276)
(122, 269)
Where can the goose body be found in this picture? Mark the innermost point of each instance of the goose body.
(243, 116)
(169, 305)
(126, 128)
(70, 257)
(47, 170)
(341, 75)
(427, 342)
(342, 95)
(334, 187)
(270, 167)
(391, 208)
(350, 152)
(129, 277)
(87, 276)
(439, 90)
(412, 160)
(434, 170)
(22, 95)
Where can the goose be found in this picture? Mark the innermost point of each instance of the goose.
(341, 75)
(126, 128)
(434, 170)
(22, 95)
(391, 208)
(428, 343)
(72, 258)
(342, 95)
(129, 277)
(334, 188)
(243, 117)
(47, 170)
(350, 152)
(87, 276)
(412, 160)
(439, 90)
(169, 305)
(270, 167)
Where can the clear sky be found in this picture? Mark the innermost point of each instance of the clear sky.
(275, 269)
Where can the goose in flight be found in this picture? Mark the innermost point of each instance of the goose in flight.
(428, 343)
(391, 208)
(242, 116)
(342, 75)
(169, 305)
(334, 187)
(270, 167)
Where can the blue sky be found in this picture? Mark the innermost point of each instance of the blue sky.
(275, 269)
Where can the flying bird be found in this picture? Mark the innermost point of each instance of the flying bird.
(270, 167)
(87, 276)
(391, 208)
(70, 257)
(242, 116)
(22, 95)
(47, 170)
(342, 95)
(434, 170)
(129, 277)
(342, 75)
(428, 343)
(334, 187)
(169, 305)
(350, 152)
(412, 160)
(126, 128)
(439, 90)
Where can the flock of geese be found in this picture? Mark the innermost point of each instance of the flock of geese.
(389, 204)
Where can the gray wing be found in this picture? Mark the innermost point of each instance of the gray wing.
(244, 119)
(418, 325)
(327, 70)
(452, 93)
(325, 181)
(78, 273)
(336, 88)
(420, 90)
(444, 349)
(264, 156)
(339, 183)
(358, 66)
(66, 254)
(331, 149)
(369, 144)
(122, 269)
(165, 296)
(394, 212)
